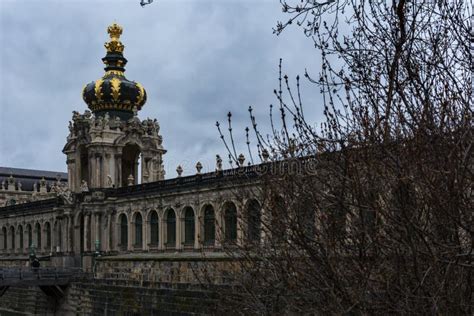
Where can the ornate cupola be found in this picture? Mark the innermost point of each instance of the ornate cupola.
(113, 93)
(112, 147)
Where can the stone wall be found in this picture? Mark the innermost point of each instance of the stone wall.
(104, 297)
(25, 300)
(171, 268)
(134, 284)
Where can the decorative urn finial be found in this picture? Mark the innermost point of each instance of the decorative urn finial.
(113, 93)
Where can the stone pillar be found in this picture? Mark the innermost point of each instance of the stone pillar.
(53, 235)
(219, 228)
(98, 172)
(66, 234)
(145, 166)
(161, 232)
(130, 236)
(105, 169)
(68, 231)
(104, 223)
(71, 179)
(116, 226)
(93, 232)
(152, 172)
(240, 226)
(111, 167)
(76, 230)
(118, 170)
(112, 236)
(98, 231)
(91, 170)
(132, 232)
(25, 239)
(146, 233)
(137, 179)
(79, 171)
(197, 229)
(86, 231)
(145, 229)
(179, 230)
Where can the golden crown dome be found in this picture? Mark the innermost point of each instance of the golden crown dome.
(113, 92)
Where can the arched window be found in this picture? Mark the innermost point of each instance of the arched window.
(38, 235)
(209, 225)
(4, 235)
(30, 235)
(21, 245)
(171, 229)
(154, 228)
(84, 164)
(47, 229)
(138, 230)
(123, 231)
(189, 226)
(230, 222)
(12, 234)
(130, 164)
(254, 214)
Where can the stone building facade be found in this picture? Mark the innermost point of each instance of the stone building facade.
(115, 200)
(24, 185)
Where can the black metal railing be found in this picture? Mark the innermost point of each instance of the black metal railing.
(30, 276)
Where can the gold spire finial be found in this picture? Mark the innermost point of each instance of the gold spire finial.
(114, 31)
(115, 45)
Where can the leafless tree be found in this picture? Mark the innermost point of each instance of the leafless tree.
(372, 212)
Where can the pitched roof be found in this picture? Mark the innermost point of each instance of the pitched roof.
(28, 177)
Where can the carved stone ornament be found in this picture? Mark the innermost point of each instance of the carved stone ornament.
(84, 186)
(241, 160)
(198, 167)
(179, 170)
(218, 163)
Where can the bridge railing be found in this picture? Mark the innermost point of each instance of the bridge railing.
(23, 275)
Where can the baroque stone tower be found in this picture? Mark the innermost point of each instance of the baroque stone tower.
(106, 147)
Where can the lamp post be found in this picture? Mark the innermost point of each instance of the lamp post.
(32, 251)
(96, 255)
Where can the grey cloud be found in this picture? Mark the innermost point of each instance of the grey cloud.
(197, 59)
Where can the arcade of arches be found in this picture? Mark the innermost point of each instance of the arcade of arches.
(184, 228)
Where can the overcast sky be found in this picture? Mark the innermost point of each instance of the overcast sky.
(196, 59)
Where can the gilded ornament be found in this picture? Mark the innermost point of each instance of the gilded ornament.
(141, 93)
(114, 30)
(115, 89)
(97, 88)
(115, 45)
(114, 72)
